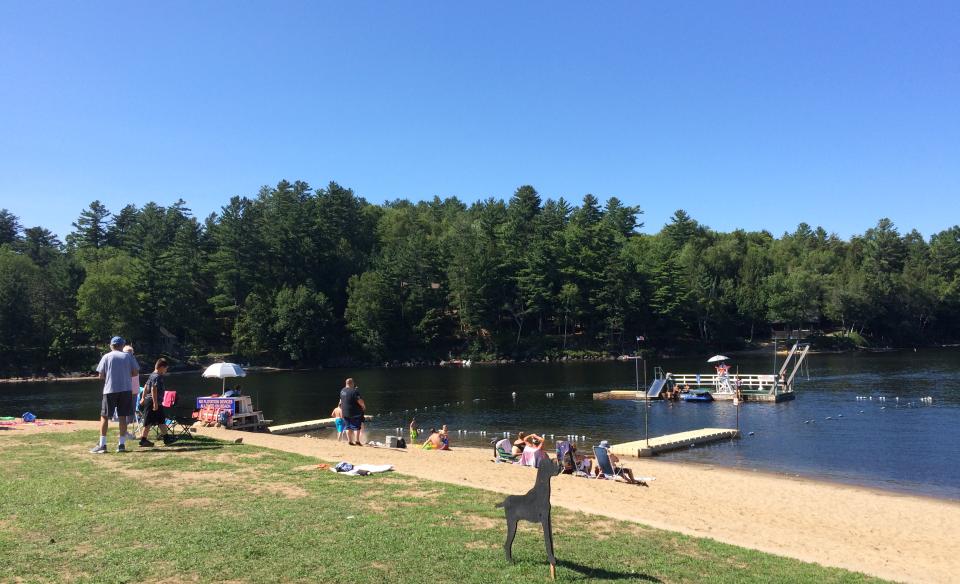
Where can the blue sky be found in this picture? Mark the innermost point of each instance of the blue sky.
(746, 114)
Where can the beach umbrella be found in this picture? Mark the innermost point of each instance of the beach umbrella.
(716, 358)
(223, 371)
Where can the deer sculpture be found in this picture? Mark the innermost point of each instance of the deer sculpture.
(534, 506)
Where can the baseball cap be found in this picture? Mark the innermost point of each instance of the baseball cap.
(118, 340)
(604, 444)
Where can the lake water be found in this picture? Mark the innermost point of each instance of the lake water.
(904, 445)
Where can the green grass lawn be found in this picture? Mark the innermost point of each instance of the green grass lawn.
(204, 510)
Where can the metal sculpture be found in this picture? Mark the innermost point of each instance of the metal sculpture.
(534, 506)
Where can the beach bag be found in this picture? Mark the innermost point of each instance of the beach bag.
(343, 467)
(28, 417)
(401, 443)
(169, 398)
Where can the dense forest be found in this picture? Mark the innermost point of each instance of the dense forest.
(319, 277)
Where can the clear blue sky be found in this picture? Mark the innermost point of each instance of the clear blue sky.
(746, 114)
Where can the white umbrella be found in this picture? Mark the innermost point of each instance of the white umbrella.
(223, 371)
(716, 358)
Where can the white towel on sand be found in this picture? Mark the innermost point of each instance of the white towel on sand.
(369, 468)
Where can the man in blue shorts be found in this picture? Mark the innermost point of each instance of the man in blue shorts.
(352, 407)
(116, 368)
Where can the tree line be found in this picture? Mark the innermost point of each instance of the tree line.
(296, 275)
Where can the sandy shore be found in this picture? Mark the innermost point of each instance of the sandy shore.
(890, 535)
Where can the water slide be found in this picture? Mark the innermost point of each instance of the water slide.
(656, 387)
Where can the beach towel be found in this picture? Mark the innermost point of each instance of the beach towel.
(362, 469)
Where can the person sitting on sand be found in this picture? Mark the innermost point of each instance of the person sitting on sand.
(518, 444)
(623, 471)
(433, 441)
(533, 450)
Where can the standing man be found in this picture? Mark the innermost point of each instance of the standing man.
(352, 407)
(116, 369)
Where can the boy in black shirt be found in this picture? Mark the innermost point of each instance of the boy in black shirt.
(150, 406)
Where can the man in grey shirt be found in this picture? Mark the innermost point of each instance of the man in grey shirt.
(115, 369)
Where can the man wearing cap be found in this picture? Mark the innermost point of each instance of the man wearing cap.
(116, 368)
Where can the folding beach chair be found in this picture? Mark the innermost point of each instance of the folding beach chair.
(607, 469)
(137, 425)
(177, 426)
(503, 451)
(568, 464)
(567, 459)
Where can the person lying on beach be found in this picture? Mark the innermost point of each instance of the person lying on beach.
(614, 460)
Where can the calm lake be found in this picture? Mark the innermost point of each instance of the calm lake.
(907, 445)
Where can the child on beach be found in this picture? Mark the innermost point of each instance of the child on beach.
(337, 415)
(413, 431)
(153, 413)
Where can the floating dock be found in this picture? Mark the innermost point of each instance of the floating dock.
(306, 426)
(643, 448)
(621, 394)
(747, 395)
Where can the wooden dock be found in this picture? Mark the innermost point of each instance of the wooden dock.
(621, 394)
(659, 444)
(306, 426)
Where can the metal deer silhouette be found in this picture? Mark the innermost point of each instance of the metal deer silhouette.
(534, 506)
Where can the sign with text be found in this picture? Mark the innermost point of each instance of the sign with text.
(217, 403)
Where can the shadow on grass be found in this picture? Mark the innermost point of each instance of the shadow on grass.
(594, 572)
(173, 449)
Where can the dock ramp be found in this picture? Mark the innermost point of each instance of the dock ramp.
(656, 387)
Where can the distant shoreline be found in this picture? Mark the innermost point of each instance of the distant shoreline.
(486, 363)
(93, 377)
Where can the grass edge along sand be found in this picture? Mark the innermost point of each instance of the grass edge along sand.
(206, 510)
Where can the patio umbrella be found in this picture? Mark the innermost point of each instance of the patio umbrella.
(716, 358)
(223, 371)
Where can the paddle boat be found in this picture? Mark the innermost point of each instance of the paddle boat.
(697, 395)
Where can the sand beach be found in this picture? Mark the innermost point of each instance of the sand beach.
(900, 537)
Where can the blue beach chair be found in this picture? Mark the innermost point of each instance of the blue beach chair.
(607, 469)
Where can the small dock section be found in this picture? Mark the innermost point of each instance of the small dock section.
(643, 448)
(306, 426)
